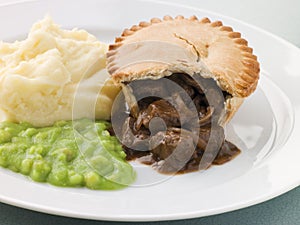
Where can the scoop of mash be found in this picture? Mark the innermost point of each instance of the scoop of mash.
(53, 75)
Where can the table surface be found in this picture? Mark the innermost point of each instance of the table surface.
(281, 17)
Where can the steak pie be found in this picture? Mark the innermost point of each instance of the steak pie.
(182, 80)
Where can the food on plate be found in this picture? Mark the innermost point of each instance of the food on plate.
(40, 76)
(68, 154)
(182, 80)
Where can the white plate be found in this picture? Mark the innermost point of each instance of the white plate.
(267, 125)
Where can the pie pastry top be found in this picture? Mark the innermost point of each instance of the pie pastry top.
(179, 45)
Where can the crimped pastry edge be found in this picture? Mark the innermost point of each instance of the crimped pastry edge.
(249, 75)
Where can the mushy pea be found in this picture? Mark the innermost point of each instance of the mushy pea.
(69, 154)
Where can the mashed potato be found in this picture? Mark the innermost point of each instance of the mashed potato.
(54, 75)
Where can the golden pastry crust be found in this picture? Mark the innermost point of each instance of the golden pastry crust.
(197, 46)
(231, 107)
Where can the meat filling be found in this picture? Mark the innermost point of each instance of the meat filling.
(177, 130)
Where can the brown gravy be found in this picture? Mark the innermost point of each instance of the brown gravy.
(175, 143)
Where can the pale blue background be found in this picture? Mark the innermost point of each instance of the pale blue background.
(281, 17)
